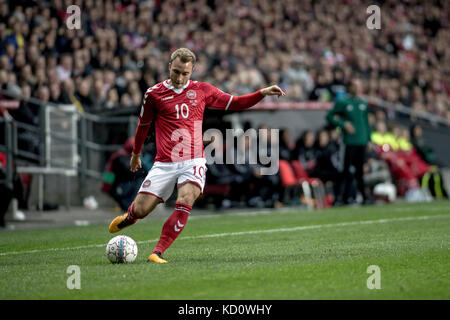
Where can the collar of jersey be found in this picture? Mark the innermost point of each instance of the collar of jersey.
(177, 91)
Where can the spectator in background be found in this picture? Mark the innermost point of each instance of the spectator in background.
(55, 92)
(287, 146)
(407, 152)
(28, 113)
(305, 151)
(337, 87)
(258, 190)
(322, 90)
(64, 69)
(119, 182)
(248, 173)
(68, 94)
(112, 99)
(98, 93)
(298, 75)
(421, 146)
(6, 192)
(269, 185)
(387, 147)
(327, 166)
(220, 174)
(376, 170)
(83, 93)
(352, 113)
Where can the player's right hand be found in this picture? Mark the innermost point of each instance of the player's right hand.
(272, 91)
(135, 162)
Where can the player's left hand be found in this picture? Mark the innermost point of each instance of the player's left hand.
(273, 91)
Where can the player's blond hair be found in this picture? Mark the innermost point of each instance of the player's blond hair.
(184, 54)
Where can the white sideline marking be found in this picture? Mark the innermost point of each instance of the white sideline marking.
(218, 235)
(290, 210)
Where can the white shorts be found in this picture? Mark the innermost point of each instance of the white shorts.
(163, 176)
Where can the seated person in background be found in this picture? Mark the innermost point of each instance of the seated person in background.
(221, 174)
(387, 147)
(218, 173)
(119, 182)
(258, 190)
(287, 146)
(269, 186)
(336, 140)
(288, 194)
(243, 188)
(376, 170)
(305, 151)
(409, 154)
(431, 178)
(421, 146)
(5, 190)
(327, 165)
(28, 113)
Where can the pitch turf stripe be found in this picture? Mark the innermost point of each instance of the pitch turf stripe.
(227, 234)
(299, 228)
(290, 210)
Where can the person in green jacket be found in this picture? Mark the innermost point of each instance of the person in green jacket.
(350, 113)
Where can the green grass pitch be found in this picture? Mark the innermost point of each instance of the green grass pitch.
(270, 255)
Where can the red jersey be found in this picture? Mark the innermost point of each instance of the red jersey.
(178, 116)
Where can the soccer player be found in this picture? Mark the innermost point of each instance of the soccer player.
(177, 105)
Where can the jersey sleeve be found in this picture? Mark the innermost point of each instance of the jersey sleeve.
(145, 120)
(147, 110)
(215, 98)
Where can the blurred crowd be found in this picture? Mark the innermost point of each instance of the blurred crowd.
(398, 162)
(311, 48)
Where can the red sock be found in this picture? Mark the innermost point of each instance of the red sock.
(173, 226)
(130, 212)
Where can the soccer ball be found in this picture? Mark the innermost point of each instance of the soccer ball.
(121, 249)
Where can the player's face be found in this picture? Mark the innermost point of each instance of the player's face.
(180, 72)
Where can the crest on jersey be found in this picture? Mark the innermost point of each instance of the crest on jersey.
(191, 94)
(146, 183)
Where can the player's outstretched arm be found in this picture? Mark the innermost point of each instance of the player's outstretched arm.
(249, 100)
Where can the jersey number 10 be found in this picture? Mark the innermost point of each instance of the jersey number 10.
(184, 110)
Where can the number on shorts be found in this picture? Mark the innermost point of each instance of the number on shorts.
(201, 172)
